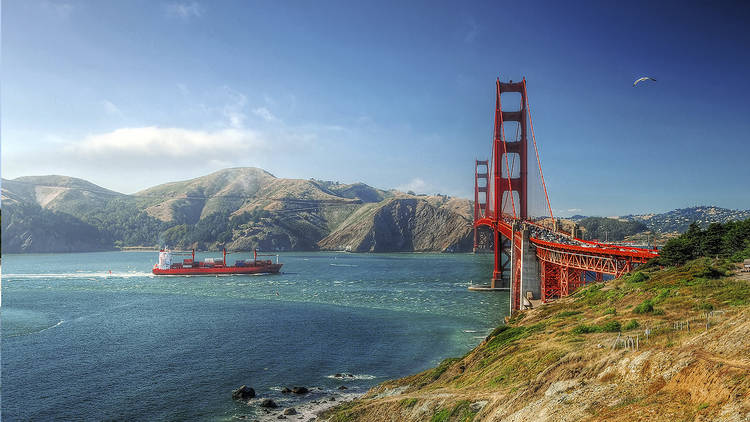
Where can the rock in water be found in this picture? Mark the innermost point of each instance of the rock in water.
(342, 387)
(286, 390)
(290, 411)
(299, 390)
(268, 403)
(243, 393)
(344, 375)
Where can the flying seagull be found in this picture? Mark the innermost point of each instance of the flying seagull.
(645, 78)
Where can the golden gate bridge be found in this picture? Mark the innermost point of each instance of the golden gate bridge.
(532, 253)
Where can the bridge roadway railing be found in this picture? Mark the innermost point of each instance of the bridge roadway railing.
(600, 259)
(563, 266)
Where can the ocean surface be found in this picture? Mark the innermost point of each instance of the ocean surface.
(94, 336)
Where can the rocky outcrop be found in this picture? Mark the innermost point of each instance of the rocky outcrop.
(243, 393)
(28, 228)
(403, 224)
(300, 390)
(268, 403)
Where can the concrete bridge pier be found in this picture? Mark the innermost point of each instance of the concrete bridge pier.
(531, 281)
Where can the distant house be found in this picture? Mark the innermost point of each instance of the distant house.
(747, 265)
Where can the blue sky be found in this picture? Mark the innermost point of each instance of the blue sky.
(131, 94)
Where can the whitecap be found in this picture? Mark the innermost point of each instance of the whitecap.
(345, 376)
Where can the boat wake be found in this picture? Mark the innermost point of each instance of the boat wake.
(79, 275)
(28, 333)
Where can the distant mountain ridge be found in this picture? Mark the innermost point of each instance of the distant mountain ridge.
(680, 219)
(239, 208)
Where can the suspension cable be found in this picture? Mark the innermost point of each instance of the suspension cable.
(538, 161)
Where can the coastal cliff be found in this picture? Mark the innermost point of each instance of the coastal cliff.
(659, 345)
(404, 224)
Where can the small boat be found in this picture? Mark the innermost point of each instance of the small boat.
(213, 266)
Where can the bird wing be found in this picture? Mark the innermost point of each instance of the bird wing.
(645, 78)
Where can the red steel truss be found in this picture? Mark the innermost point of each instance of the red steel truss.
(564, 266)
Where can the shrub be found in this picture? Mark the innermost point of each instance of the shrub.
(585, 329)
(565, 314)
(632, 325)
(444, 365)
(644, 307)
(610, 311)
(637, 277)
(663, 294)
(441, 416)
(408, 402)
(611, 327)
(705, 306)
(709, 272)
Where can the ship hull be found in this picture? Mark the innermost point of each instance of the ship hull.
(255, 269)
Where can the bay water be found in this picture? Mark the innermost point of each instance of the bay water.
(95, 336)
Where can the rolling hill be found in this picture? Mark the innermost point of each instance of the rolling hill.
(239, 208)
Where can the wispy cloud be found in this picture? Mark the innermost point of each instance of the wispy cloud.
(234, 108)
(159, 144)
(60, 9)
(472, 31)
(184, 11)
(416, 185)
(265, 114)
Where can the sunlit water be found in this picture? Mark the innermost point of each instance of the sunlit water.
(96, 336)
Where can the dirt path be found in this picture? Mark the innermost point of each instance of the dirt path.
(716, 359)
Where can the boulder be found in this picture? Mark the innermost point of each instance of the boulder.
(343, 375)
(299, 390)
(290, 411)
(243, 393)
(286, 390)
(268, 403)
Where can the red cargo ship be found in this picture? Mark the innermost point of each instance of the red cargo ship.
(213, 266)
